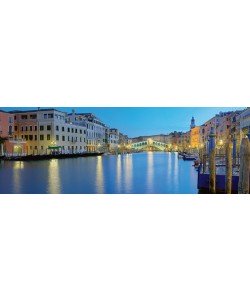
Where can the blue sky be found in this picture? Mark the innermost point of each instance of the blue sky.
(135, 121)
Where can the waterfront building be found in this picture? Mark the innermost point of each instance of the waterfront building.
(185, 141)
(175, 140)
(195, 137)
(48, 130)
(95, 130)
(244, 120)
(113, 139)
(9, 144)
(225, 124)
(123, 139)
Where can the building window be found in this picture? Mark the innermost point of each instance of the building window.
(32, 117)
(57, 137)
(15, 128)
(62, 128)
(30, 128)
(30, 147)
(26, 137)
(41, 147)
(80, 139)
(68, 138)
(45, 116)
(76, 130)
(31, 137)
(68, 129)
(35, 128)
(26, 128)
(35, 136)
(22, 136)
(63, 138)
(10, 130)
(48, 127)
(41, 137)
(50, 116)
(41, 128)
(72, 130)
(57, 128)
(80, 131)
(24, 117)
(48, 137)
(10, 120)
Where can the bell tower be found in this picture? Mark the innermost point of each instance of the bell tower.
(192, 125)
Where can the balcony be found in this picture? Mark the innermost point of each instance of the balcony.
(17, 141)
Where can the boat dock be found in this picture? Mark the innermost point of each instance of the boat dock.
(227, 172)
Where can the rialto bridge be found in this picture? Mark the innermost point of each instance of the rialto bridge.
(150, 145)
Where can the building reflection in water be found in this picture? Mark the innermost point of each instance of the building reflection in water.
(169, 167)
(118, 173)
(128, 172)
(150, 171)
(99, 175)
(176, 169)
(54, 181)
(17, 167)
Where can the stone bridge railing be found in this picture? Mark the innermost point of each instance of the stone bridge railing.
(146, 144)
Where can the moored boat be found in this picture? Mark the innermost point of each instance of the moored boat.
(189, 157)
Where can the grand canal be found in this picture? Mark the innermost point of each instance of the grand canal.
(139, 173)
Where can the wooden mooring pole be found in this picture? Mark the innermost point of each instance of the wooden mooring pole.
(212, 165)
(229, 167)
(243, 185)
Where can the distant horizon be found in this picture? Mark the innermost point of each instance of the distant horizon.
(145, 121)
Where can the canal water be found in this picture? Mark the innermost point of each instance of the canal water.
(138, 173)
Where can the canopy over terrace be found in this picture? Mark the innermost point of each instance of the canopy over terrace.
(54, 148)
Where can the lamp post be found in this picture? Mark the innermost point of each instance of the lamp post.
(220, 146)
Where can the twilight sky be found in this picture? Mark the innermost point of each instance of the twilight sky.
(135, 121)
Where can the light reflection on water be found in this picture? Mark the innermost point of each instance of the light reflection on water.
(17, 167)
(176, 169)
(128, 171)
(149, 172)
(169, 166)
(54, 180)
(99, 176)
(118, 173)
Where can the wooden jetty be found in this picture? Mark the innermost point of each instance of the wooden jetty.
(225, 173)
(220, 180)
(50, 156)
